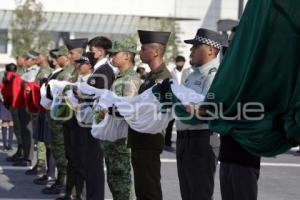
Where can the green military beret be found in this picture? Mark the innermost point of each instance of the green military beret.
(124, 45)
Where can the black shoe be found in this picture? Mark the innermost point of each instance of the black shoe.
(169, 149)
(43, 180)
(36, 170)
(65, 197)
(8, 148)
(56, 188)
(22, 163)
(32, 171)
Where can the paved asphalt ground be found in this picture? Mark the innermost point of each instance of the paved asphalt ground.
(279, 180)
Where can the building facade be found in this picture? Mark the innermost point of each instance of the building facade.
(118, 18)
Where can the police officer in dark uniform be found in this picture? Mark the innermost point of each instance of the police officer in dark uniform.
(146, 148)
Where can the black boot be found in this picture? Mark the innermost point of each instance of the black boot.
(56, 188)
(36, 170)
(43, 180)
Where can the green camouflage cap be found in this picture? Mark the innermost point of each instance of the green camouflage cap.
(44, 52)
(61, 51)
(124, 45)
(32, 54)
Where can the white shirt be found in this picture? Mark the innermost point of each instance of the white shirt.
(100, 63)
(177, 75)
(83, 78)
(199, 81)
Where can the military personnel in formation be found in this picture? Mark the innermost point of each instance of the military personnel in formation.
(15, 116)
(43, 73)
(60, 61)
(146, 148)
(85, 70)
(116, 154)
(31, 67)
(75, 173)
(198, 147)
(40, 134)
(25, 117)
(43, 135)
(102, 77)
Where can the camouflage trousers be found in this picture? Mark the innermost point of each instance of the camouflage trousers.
(58, 147)
(117, 160)
(41, 148)
(41, 154)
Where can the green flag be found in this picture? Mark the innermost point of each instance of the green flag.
(262, 67)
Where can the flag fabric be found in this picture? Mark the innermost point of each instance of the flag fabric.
(60, 110)
(45, 102)
(141, 112)
(261, 67)
(149, 112)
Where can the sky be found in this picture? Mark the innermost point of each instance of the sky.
(122, 7)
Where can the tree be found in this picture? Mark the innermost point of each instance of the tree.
(26, 28)
(172, 49)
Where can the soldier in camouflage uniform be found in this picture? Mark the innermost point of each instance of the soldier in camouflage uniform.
(43, 134)
(15, 116)
(24, 116)
(75, 174)
(62, 66)
(116, 154)
(40, 166)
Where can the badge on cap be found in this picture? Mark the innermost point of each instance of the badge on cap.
(92, 81)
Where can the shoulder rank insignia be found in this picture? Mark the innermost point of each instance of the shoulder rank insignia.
(212, 70)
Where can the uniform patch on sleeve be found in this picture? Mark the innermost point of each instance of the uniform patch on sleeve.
(92, 81)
